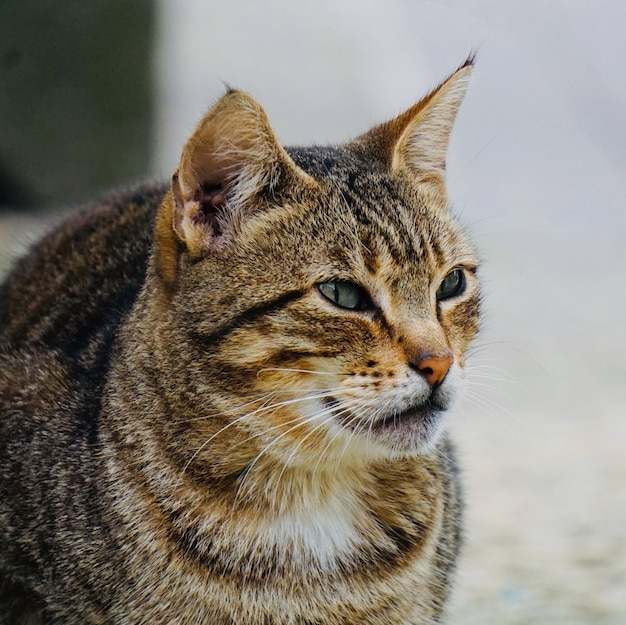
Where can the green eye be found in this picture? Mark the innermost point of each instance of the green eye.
(453, 284)
(345, 295)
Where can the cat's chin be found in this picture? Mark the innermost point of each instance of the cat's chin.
(414, 430)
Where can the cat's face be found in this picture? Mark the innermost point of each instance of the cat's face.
(331, 300)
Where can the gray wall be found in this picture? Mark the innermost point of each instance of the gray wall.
(75, 98)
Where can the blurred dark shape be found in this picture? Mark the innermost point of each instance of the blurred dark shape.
(13, 192)
(75, 98)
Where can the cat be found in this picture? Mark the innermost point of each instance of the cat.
(222, 399)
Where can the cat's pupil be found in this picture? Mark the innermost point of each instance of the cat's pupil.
(345, 294)
(453, 284)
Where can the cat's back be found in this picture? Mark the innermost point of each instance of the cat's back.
(60, 310)
(82, 277)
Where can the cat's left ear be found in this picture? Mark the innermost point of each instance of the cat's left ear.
(416, 141)
(231, 167)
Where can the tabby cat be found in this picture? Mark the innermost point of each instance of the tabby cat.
(222, 401)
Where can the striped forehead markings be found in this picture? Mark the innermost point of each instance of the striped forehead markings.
(375, 213)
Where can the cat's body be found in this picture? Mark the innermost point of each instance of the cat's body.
(234, 415)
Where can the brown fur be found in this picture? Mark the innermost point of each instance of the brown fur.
(191, 432)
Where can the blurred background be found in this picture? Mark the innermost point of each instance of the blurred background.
(95, 95)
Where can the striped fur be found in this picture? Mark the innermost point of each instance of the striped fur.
(192, 433)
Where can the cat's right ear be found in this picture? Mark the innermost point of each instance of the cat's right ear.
(230, 164)
(416, 142)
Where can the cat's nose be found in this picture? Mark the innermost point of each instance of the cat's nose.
(434, 368)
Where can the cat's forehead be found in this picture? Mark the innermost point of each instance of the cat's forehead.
(320, 162)
(389, 218)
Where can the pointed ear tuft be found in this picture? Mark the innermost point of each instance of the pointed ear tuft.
(417, 140)
(230, 161)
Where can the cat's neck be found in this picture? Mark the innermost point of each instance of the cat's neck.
(302, 517)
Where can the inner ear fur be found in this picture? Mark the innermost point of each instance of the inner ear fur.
(416, 142)
(229, 164)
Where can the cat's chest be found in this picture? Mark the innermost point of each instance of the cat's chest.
(315, 535)
(323, 566)
(342, 553)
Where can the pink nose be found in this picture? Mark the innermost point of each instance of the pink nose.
(435, 368)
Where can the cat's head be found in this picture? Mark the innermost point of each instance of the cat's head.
(324, 298)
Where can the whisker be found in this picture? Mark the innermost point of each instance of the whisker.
(264, 397)
(345, 409)
(474, 382)
(249, 468)
(439, 453)
(488, 404)
(290, 370)
(329, 416)
(277, 427)
(361, 426)
(263, 408)
(203, 446)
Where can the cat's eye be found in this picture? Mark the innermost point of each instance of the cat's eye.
(346, 295)
(453, 284)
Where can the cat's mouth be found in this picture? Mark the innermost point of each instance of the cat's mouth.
(418, 424)
(424, 412)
